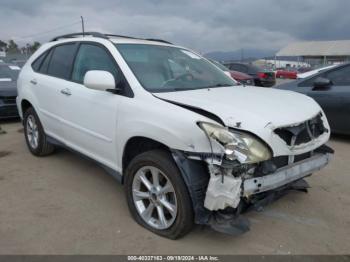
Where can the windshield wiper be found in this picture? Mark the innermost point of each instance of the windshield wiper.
(217, 85)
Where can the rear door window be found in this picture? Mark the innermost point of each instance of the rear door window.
(61, 61)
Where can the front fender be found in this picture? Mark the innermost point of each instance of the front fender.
(163, 122)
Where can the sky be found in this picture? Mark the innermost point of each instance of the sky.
(203, 25)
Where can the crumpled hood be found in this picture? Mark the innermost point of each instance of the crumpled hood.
(255, 109)
(250, 106)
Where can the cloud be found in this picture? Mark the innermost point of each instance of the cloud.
(204, 25)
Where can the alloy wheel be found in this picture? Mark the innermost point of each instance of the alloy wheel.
(32, 132)
(154, 197)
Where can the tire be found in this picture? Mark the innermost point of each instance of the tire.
(162, 161)
(41, 147)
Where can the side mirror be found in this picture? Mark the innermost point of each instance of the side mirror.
(322, 82)
(99, 80)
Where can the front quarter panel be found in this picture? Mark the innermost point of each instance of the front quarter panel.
(163, 122)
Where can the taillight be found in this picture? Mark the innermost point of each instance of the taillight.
(262, 75)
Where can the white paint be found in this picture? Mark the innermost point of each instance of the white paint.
(99, 80)
(99, 124)
(259, 110)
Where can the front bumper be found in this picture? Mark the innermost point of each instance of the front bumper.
(285, 175)
(255, 192)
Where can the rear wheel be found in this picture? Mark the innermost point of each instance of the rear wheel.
(157, 196)
(34, 134)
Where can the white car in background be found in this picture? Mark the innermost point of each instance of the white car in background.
(189, 145)
(314, 72)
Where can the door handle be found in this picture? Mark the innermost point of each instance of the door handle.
(66, 92)
(33, 81)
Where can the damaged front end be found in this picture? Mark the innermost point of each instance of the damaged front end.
(244, 175)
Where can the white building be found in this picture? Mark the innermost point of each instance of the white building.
(318, 52)
(281, 63)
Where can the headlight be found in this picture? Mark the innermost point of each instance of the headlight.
(237, 145)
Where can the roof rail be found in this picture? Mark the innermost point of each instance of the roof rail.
(148, 39)
(158, 40)
(105, 36)
(122, 36)
(94, 34)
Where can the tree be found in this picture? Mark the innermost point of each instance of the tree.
(35, 46)
(12, 47)
(3, 45)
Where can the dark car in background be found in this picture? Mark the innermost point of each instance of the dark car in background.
(261, 77)
(240, 77)
(8, 90)
(331, 89)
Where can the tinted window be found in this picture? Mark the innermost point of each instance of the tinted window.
(45, 64)
(253, 69)
(37, 63)
(61, 61)
(235, 67)
(309, 82)
(340, 77)
(219, 65)
(238, 67)
(92, 57)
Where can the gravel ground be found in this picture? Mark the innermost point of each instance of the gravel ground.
(64, 204)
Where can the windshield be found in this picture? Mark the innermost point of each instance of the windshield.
(221, 66)
(9, 72)
(166, 68)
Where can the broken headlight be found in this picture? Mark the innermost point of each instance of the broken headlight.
(237, 145)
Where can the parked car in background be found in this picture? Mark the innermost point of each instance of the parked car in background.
(286, 73)
(304, 69)
(19, 63)
(240, 77)
(313, 72)
(221, 66)
(331, 89)
(265, 78)
(8, 90)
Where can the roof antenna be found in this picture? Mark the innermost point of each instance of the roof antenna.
(82, 25)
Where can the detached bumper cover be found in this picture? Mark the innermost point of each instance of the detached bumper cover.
(285, 175)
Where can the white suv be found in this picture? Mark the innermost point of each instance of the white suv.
(188, 143)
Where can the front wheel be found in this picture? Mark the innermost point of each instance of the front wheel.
(157, 196)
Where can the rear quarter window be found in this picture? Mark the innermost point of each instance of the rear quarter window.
(37, 63)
